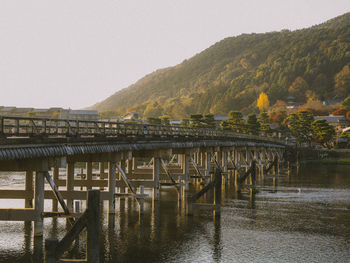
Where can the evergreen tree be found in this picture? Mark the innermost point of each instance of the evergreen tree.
(300, 126)
(322, 132)
(235, 120)
(264, 122)
(196, 120)
(209, 121)
(252, 124)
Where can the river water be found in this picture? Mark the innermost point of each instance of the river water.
(303, 216)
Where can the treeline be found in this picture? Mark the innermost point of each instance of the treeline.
(311, 63)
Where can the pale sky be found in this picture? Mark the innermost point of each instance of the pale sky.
(74, 53)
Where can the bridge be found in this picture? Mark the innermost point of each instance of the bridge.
(122, 160)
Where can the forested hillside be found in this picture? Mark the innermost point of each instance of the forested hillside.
(230, 75)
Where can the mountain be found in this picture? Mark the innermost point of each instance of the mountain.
(232, 73)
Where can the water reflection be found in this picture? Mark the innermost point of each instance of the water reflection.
(303, 216)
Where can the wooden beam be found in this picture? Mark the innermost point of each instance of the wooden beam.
(18, 214)
(58, 196)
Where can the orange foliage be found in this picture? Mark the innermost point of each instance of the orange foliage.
(339, 112)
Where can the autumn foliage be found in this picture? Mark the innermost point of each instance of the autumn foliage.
(263, 102)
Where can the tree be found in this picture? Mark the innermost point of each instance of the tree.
(346, 103)
(342, 81)
(235, 121)
(56, 115)
(322, 132)
(165, 120)
(320, 85)
(339, 112)
(196, 120)
(300, 126)
(298, 89)
(263, 102)
(264, 121)
(31, 114)
(151, 120)
(209, 121)
(185, 122)
(153, 110)
(252, 124)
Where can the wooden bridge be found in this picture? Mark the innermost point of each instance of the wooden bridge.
(73, 156)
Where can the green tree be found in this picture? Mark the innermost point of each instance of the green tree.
(151, 120)
(300, 126)
(31, 114)
(298, 89)
(346, 103)
(322, 132)
(153, 110)
(235, 121)
(252, 124)
(264, 121)
(196, 120)
(342, 82)
(165, 120)
(185, 122)
(209, 121)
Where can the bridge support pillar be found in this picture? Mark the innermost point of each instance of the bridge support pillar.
(28, 202)
(207, 164)
(55, 179)
(122, 187)
(202, 160)
(39, 202)
(156, 169)
(101, 167)
(88, 175)
(70, 184)
(129, 168)
(217, 196)
(111, 185)
(185, 167)
(134, 164)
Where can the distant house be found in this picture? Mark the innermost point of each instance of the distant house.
(87, 115)
(6, 111)
(49, 113)
(339, 122)
(175, 122)
(332, 102)
(131, 116)
(291, 103)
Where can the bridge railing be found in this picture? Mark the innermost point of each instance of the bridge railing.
(32, 127)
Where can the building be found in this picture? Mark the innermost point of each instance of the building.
(60, 113)
(339, 122)
(86, 115)
(131, 116)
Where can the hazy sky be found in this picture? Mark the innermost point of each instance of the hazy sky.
(74, 53)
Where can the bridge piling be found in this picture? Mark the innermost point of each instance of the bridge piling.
(29, 189)
(55, 179)
(156, 168)
(111, 185)
(70, 184)
(39, 202)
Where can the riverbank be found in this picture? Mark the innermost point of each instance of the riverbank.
(335, 161)
(324, 156)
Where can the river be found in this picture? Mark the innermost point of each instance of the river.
(303, 216)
